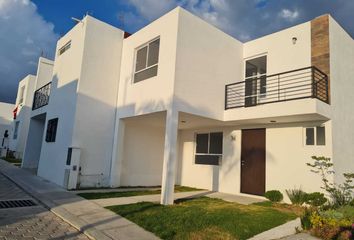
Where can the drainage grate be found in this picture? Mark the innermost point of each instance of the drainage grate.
(16, 203)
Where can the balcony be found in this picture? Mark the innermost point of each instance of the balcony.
(308, 82)
(41, 96)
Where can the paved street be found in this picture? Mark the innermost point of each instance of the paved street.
(34, 222)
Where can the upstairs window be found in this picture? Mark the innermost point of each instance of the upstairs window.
(51, 130)
(17, 125)
(146, 60)
(22, 94)
(208, 148)
(315, 136)
(64, 48)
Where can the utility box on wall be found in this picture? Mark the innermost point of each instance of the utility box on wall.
(72, 168)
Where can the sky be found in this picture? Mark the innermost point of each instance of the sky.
(30, 28)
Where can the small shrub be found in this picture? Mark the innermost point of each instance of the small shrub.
(306, 219)
(352, 202)
(341, 194)
(329, 224)
(345, 235)
(316, 199)
(274, 195)
(296, 196)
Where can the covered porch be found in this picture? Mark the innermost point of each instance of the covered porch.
(162, 149)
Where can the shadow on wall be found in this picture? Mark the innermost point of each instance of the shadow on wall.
(158, 106)
(5, 125)
(84, 121)
(18, 144)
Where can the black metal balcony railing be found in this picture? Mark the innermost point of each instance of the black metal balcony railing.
(309, 82)
(41, 96)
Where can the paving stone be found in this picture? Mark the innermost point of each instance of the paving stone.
(30, 222)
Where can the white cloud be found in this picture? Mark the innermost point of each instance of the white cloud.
(289, 15)
(24, 34)
(209, 10)
(151, 9)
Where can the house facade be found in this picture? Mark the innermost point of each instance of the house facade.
(21, 115)
(5, 126)
(181, 102)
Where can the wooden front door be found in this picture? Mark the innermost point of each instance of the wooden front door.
(253, 161)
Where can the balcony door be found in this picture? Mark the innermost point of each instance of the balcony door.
(255, 80)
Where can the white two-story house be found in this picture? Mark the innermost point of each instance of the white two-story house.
(181, 102)
(26, 101)
(6, 117)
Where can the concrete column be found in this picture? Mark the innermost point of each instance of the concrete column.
(169, 158)
(117, 153)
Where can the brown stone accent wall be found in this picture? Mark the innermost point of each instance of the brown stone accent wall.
(320, 45)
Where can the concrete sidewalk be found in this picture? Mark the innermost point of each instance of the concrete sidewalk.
(90, 218)
(104, 202)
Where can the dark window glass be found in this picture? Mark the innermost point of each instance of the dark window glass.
(141, 59)
(320, 136)
(153, 57)
(146, 61)
(202, 143)
(148, 73)
(310, 136)
(68, 157)
(51, 130)
(207, 159)
(22, 93)
(263, 84)
(65, 48)
(17, 125)
(215, 143)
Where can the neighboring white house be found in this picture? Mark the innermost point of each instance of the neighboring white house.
(79, 116)
(25, 104)
(37, 117)
(22, 113)
(181, 102)
(6, 117)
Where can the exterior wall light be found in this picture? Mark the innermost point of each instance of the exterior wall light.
(294, 40)
(233, 136)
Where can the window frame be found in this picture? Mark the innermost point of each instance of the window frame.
(261, 83)
(208, 152)
(147, 59)
(315, 136)
(64, 48)
(22, 94)
(16, 129)
(53, 133)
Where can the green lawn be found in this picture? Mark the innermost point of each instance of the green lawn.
(94, 195)
(204, 218)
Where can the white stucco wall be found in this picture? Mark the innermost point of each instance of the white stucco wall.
(37, 121)
(286, 158)
(44, 72)
(62, 104)
(83, 97)
(23, 115)
(342, 97)
(96, 101)
(282, 54)
(207, 60)
(33, 146)
(153, 94)
(143, 154)
(5, 121)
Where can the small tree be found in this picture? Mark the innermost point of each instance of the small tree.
(341, 194)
